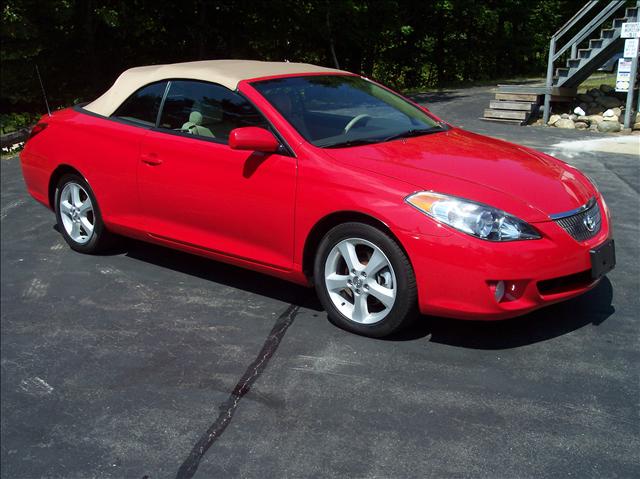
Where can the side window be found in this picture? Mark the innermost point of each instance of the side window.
(143, 105)
(207, 110)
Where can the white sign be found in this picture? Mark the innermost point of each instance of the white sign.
(624, 65)
(622, 81)
(631, 47)
(630, 30)
(623, 78)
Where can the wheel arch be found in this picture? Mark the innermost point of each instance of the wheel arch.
(58, 173)
(322, 227)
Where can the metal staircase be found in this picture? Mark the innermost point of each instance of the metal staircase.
(579, 56)
(582, 62)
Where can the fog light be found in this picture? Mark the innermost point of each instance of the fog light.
(499, 291)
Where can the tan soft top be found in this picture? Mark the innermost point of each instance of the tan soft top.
(224, 72)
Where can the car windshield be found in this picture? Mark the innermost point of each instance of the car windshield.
(333, 111)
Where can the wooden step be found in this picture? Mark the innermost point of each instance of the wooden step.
(503, 120)
(535, 90)
(517, 97)
(511, 105)
(506, 114)
(525, 89)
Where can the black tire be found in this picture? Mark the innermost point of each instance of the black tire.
(404, 309)
(100, 239)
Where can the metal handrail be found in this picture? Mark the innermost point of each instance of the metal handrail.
(575, 19)
(609, 9)
(588, 29)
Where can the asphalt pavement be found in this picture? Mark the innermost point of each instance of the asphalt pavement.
(148, 362)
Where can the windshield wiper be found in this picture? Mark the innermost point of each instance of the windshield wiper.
(369, 141)
(414, 132)
(362, 141)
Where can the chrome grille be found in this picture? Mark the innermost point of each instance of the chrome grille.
(583, 225)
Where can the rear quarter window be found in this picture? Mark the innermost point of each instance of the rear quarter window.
(143, 106)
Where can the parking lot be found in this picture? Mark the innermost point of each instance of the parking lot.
(153, 363)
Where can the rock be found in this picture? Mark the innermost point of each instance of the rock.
(636, 126)
(609, 126)
(608, 114)
(585, 98)
(579, 111)
(584, 119)
(608, 101)
(565, 123)
(553, 120)
(573, 117)
(594, 93)
(616, 111)
(581, 125)
(606, 89)
(594, 119)
(565, 116)
(593, 126)
(594, 109)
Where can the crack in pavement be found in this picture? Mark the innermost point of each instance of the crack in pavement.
(228, 408)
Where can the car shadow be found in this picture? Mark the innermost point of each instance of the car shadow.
(593, 307)
(218, 272)
(253, 162)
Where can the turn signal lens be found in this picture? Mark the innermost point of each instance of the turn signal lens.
(475, 219)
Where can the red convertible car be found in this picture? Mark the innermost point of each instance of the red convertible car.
(322, 177)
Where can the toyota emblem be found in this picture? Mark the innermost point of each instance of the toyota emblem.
(589, 222)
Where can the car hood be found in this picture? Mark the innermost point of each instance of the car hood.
(516, 179)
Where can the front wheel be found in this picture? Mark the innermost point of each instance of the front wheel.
(78, 216)
(364, 280)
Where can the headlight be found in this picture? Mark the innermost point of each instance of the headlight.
(473, 218)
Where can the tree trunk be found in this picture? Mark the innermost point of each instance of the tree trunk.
(332, 48)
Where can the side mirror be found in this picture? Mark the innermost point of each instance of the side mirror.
(254, 139)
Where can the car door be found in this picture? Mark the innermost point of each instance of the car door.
(115, 151)
(196, 191)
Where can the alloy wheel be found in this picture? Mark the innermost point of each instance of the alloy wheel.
(76, 212)
(360, 280)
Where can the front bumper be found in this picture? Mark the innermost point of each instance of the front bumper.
(457, 274)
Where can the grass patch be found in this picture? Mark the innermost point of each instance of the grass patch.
(596, 79)
(15, 121)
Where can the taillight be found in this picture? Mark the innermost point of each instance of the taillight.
(36, 129)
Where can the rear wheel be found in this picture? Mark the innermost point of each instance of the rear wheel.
(78, 216)
(364, 280)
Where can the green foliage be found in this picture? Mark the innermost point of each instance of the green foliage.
(81, 46)
(14, 121)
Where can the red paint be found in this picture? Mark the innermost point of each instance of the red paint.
(257, 210)
(252, 138)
